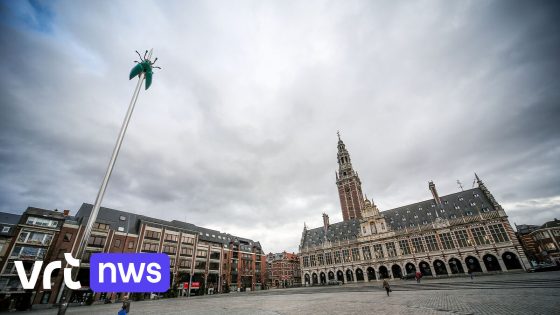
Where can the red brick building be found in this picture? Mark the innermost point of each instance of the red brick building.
(285, 270)
(216, 261)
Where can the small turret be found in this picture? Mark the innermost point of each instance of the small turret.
(487, 193)
(433, 189)
(325, 222)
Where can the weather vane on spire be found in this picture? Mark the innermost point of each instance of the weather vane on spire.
(338, 134)
(145, 65)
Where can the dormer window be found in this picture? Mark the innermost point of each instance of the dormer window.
(420, 208)
(461, 199)
(442, 210)
(429, 213)
(416, 216)
(485, 209)
(411, 224)
(433, 205)
(476, 195)
(446, 202)
(469, 213)
(453, 216)
(425, 222)
(404, 219)
(407, 211)
(473, 204)
(457, 207)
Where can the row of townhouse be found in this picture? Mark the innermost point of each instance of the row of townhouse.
(207, 258)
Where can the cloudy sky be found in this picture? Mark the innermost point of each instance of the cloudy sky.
(238, 131)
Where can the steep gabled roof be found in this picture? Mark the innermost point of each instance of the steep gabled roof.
(341, 231)
(470, 202)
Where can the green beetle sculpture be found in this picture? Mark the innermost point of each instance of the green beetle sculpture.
(144, 66)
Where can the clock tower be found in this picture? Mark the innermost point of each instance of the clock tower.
(349, 185)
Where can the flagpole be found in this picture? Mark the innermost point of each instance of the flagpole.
(93, 215)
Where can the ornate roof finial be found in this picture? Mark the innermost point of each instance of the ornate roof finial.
(338, 134)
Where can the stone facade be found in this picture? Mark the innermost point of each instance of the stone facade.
(464, 232)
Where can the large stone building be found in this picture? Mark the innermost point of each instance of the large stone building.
(203, 259)
(452, 234)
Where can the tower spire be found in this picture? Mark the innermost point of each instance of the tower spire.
(487, 193)
(349, 185)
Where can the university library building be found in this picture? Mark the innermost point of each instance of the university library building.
(460, 233)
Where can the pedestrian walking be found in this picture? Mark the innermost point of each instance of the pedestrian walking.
(387, 286)
(471, 274)
(418, 276)
(126, 304)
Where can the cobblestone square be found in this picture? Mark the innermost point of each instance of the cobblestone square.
(518, 293)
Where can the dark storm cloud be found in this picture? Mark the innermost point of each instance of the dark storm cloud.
(238, 131)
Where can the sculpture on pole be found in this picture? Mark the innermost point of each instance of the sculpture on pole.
(144, 71)
(145, 65)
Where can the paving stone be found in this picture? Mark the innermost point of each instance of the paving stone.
(509, 294)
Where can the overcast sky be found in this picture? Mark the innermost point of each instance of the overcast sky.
(238, 131)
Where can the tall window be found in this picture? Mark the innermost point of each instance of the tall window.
(171, 237)
(498, 233)
(417, 245)
(149, 247)
(185, 263)
(337, 259)
(152, 234)
(462, 238)
(355, 254)
(200, 264)
(186, 251)
(169, 249)
(201, 253)
(320, 259)
(431, 243)
(446, 240)
(378, 251)
(305, 261)
(391, 251)
(101, 226)
(41, 222)
(96, 241)
(312, 259)
(366, 252)
(346, 255)
(328, 258)
(479, 235)
(187, 239)
(405, 247)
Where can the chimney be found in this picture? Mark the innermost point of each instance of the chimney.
(66, 213)
(325, 221)
(432, 187)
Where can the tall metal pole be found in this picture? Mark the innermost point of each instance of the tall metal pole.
(93, 215)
